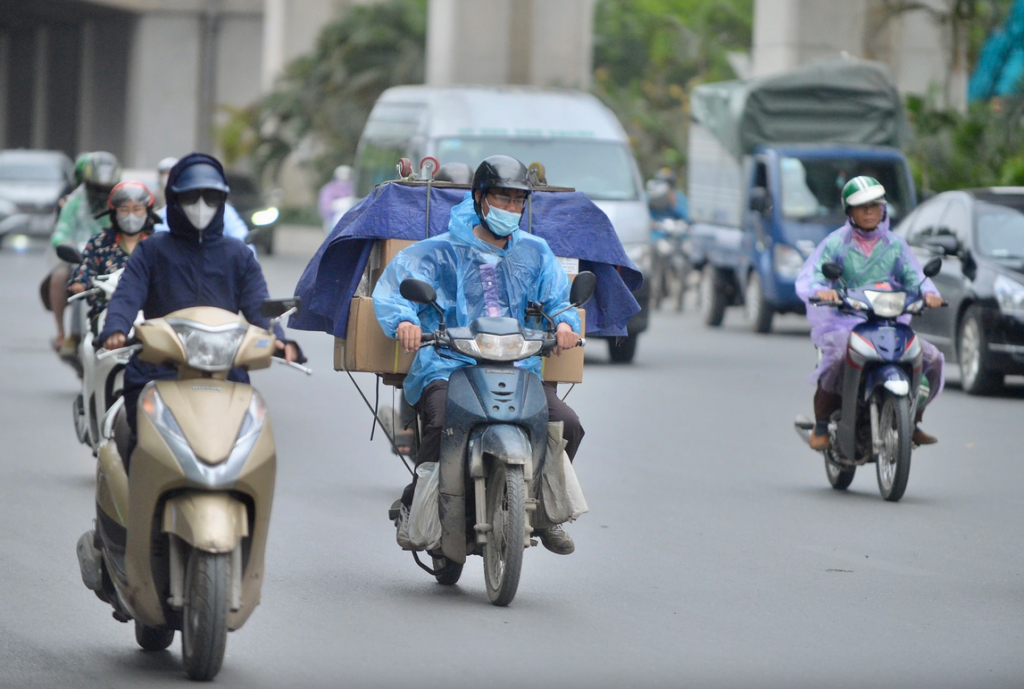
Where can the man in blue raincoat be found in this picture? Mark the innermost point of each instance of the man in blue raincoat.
(483, 266)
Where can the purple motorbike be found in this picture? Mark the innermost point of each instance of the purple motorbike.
(882, 385)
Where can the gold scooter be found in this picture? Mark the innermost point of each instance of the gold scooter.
(180, 537)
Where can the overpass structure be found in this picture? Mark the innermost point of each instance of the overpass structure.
(150, 78)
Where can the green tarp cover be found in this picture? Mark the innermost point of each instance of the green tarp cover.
(837, 100)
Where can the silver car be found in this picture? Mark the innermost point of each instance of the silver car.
(31, 183)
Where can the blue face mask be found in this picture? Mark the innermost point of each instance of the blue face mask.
(502, 223)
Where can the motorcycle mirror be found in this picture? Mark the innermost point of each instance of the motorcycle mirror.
(583, 287)
(932, 267)
(69, 253)
(417, 291)
(832, 271)
(275, 308)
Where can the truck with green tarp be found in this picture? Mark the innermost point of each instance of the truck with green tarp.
(767, 160)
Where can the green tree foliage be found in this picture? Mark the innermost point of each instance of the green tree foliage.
(324, 98)
(983, 146)
(647, 55)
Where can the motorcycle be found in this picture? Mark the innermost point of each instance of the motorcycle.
(102, 371)
(179, 540)
(882, 386)
(672, 268)
(494, 442)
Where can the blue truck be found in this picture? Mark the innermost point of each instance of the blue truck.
(767, 160)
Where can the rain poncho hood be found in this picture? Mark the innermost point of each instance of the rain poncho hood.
(568, 221)
(891, 260)
(472, 279)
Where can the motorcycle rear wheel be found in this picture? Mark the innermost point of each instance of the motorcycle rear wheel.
(840, 477)
(447, 572)
(506, 513)
(204, 620)
(893, 462)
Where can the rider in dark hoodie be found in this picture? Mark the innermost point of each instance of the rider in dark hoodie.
(192, 265)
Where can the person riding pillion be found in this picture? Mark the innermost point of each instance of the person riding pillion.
(193, 264)
(130, 206)
(868, 253)
(483, 266)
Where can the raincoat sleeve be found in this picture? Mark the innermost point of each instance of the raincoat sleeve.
(64, 230)
(911, 275)
(254, 292)
(130, 296)
(554, 292)
(811, 280)
(391, 308)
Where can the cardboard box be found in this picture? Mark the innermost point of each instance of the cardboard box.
(367, 349)
(567, 368)
(384, 251)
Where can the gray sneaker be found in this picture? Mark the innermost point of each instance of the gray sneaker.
(402, 525)
(557, 540)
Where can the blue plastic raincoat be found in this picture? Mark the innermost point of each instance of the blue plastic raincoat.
(472, 279)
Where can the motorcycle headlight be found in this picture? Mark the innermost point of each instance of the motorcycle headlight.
(498, 347)
(640, 255)
(267, 216)
(886, 304)
(209, 348)
(1009, 296)
(788, 261)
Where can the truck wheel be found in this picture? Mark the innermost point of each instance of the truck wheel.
(759, 313)
(622, 349)
(976, 377)
(712, 296)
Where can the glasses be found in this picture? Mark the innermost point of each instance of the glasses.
(506, 200)
(123, 211)
(212, 197)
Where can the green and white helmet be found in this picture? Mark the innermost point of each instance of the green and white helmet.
(861, 191)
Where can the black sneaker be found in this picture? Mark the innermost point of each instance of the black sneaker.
(557, 540)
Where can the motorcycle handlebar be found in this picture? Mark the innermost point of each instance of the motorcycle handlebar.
(84, 295)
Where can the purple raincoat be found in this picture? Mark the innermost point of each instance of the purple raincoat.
(830, 329)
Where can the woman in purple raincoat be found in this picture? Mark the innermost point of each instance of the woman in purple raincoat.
(868, 253)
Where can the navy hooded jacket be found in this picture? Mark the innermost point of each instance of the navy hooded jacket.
(184, 268)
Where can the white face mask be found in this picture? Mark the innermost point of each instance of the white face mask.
(199, 214)
(131, 223)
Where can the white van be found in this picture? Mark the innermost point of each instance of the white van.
(577, 139)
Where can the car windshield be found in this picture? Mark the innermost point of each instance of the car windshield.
(1000, 231)
(30, 172)
(600, 169)
(811, 187)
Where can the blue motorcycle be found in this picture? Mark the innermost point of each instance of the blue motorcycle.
(882, 385)
(494, 441)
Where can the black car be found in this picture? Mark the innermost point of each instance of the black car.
(980, 235)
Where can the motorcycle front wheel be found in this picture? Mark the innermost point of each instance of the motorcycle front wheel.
(893, 462)
(506, 513)
(204, 620)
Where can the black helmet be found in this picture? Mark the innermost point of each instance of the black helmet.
(456, 173)
(499, 172)
(101, 169)
(200, 176)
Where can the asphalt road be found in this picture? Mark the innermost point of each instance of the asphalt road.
(715, 553)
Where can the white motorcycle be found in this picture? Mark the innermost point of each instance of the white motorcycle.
(102, 370)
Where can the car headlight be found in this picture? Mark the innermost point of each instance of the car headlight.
(788, 261)
(640, 255)
(498, 347)
(209, 348)
(886, 304)
(267, 216)
(1009, 296)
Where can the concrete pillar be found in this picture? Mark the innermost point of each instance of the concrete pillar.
(5, 65)
(536, 42)
(163, 88)
(87, 108)
(209, 22)
(40, 89)
(290, 29)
